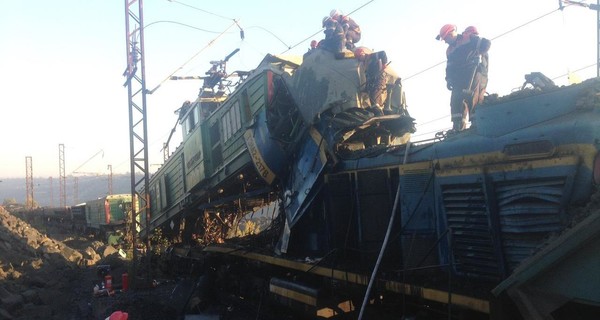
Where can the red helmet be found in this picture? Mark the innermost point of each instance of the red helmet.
(361, 53)
(470, 30)
(445, 31)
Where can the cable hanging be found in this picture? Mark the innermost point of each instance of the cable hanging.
(210, 43)
(214, 14)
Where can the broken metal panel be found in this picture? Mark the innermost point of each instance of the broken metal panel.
(267, 156)
(300, 187)
(517, 208)
(565, 270)
(528, 211)
(255, 221)
(315, 90)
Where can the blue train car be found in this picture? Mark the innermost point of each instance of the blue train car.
(473, 206)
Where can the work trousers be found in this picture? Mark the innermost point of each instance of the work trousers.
(464, 99)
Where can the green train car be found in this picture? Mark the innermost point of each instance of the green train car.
(108, 213)
(213, 161)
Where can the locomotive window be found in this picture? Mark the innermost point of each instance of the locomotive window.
(185, 128)
(191, 121)
(226, 126)
(215, 138)
(196, 113)
(238, 119)
(231, 121)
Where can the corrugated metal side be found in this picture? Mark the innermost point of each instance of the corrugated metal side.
(528, 210)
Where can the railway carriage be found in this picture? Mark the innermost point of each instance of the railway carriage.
(109, 213)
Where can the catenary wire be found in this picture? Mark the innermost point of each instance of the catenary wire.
(494, 38)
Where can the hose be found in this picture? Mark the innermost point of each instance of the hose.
(383, 247)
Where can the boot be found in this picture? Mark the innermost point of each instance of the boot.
(458, 125)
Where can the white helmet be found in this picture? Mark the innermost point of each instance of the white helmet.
(335, 12)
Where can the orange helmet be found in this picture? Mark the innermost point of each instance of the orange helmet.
(445, 31)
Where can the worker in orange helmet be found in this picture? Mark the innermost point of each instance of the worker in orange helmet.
(466, 71)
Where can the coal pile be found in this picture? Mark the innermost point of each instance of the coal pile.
(49, 272)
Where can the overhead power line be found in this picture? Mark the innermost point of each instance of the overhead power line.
(524, 24)
(190, 59)
(196, 8)
(181, 24)
(494, 38)
(319, 31)
(101, 151)
(236, 21)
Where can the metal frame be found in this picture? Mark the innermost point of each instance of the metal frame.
(138, 128)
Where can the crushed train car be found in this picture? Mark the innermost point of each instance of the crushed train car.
(327, 138)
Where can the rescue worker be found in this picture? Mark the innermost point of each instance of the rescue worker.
(341, 32)
(352, 31)
(466, 71)
(335, 40)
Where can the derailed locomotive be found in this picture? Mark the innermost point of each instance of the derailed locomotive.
(448, 225)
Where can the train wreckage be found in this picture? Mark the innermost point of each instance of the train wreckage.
(302, 184)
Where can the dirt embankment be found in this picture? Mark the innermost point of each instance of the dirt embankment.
(42, 277)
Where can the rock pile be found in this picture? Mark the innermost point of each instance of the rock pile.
(40, 277)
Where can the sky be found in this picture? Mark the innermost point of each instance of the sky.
(62, 63)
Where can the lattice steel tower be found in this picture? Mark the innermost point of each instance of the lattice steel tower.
(51, 192)
(138, 129)
(110, 180)
(29, 182)
(75, 190)
(62, 182)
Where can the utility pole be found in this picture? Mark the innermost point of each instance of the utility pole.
(110, 180)
(138, 128)
(595, 7)
(61, 175)
(75, 190)
(29, 182)
(51, 192)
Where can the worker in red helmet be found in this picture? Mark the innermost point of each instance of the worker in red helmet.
(335, 40)
(339, 25)
(469, 31)
(466, 71)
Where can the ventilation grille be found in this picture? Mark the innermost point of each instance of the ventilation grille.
(467, 217)
(528, 211)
